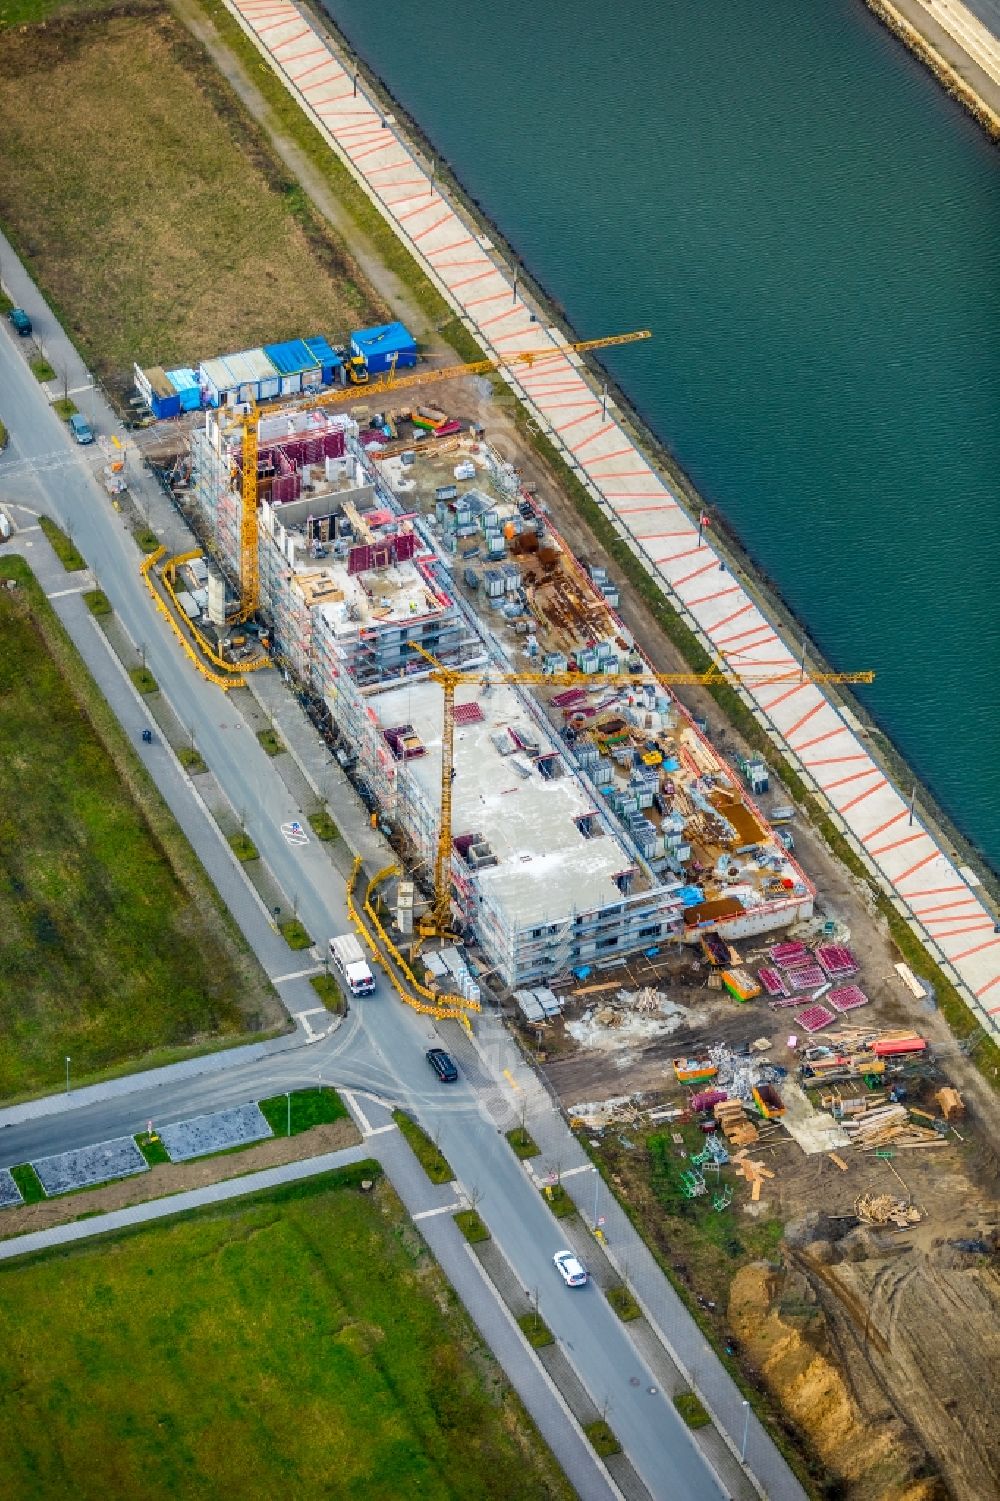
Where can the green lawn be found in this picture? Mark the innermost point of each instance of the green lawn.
(558, 1200)
(152, 1149)
(243, 846)
(535, 1330)
(97, 602)
(603, 1439)
(471, 1226)
(28, 1182)
(113, 944)
(300, 1344)
(328, 991)
(433, 1161)
(691, 1410)
(271, 742)
(623, 1303)
(323, 825)
(522, 1142)
(144, 680)
(295, 935)
(310, 1107)
(64, 549)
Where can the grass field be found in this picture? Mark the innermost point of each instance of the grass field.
(303, 1344)
(158, 220)
(113, 943)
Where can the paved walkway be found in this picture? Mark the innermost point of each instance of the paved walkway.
(817, 736)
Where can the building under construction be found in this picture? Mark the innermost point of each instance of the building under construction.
(591, 818)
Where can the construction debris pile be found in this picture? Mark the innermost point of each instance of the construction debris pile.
(868, 1056)
(630, 1016)
(740, 1073)
(884, 1209)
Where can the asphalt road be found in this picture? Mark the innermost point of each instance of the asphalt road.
(381, 1046)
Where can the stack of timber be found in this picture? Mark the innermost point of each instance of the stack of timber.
(735, 1127)
(889, 1126)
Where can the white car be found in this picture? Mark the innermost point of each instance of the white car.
(570, 1268)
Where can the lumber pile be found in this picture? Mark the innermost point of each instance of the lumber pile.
(733, 1122)
(884, 1209)
(889, 1126)
(754, 1172)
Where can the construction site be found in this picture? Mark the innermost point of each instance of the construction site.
(573, 847)
(554, 801)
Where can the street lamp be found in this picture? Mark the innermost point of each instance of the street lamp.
(597, 1185)
(288, 1097)
(746, 1431)
(67, 1075)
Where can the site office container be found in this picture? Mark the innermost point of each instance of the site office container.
(304, 362)
(379, 347)
(156, 389)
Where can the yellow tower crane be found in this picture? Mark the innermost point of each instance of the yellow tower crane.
(437, 921)
(249, 416)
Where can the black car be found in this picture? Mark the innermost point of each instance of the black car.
(442, 1065)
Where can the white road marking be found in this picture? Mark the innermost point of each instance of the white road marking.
(352, 1104)
(294, 833)
(381, 1130)
(296, 974)
(570, 1172)
(61, 593)
(426, 1214)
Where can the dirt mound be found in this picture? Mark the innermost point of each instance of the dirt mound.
(881, 1354)
(874, 1459)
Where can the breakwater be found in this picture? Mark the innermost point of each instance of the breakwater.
(921, 43)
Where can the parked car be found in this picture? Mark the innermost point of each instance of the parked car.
(785, 836)
(570, 1268)
(81, 429)
(441, 1063)
(20, 320)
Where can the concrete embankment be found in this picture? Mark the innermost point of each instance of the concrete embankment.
(961, 52)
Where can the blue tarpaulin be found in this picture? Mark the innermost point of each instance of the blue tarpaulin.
(188, 388)
(691, 895)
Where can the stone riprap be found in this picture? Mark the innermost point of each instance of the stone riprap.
(10, 1194)
(214, 1133)
(101, 1163)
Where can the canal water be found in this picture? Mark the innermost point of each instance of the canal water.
(809, 226)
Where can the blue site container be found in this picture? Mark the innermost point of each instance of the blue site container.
(188, 388)
(377, 347)
(326, 357)
(303, 362)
